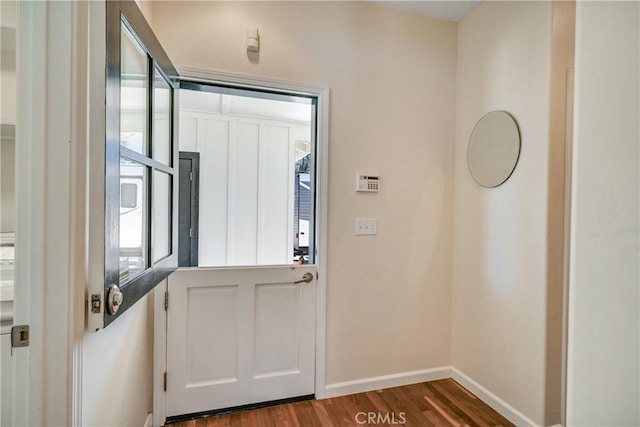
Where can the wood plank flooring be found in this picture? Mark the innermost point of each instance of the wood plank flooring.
(442, 403)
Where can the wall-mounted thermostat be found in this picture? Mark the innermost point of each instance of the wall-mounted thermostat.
(367, 183)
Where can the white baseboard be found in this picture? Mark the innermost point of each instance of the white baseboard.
(385, 381)
(149, 421)
(499, 405)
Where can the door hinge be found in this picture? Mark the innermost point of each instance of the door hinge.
(190, 176)
(190, 232)
(165, 381)
(19, 336)
(166, 300)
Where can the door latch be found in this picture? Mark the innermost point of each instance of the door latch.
(96, 303)
(20, 336)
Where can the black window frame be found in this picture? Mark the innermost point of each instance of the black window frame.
(133, 288)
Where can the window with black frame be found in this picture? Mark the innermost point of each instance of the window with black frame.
(140, 160)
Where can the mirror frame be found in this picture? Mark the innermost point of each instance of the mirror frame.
(517, 159)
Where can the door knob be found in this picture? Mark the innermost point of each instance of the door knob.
(306, 278)
(114, 299)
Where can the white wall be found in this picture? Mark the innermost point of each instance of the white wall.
(7, 113)
(604, 330)
(8, 61)
(8, 86)
(392, 81)
(117, 370)
(244, 163)
(500, 273)
(7, 185)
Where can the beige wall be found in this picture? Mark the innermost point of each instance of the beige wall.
(604, 329)
(145, 7)
(393, 92)
(117, 370)
(392, 81)
(502, 314)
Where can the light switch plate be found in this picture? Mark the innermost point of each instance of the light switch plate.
(366, 226)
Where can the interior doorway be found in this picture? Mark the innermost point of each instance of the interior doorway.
(241, 325)
(256, 154)
(188, 203)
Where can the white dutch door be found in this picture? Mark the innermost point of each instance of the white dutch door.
(242, 309)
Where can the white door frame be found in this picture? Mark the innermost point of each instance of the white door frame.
(322, 160)
(50, 139)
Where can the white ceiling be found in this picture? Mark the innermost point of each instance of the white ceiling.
(450, 10)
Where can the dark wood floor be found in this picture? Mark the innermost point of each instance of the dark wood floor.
(436, 403)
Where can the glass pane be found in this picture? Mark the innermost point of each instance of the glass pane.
(161, 223)
(133, 218)
(133, 93)
(161, 148)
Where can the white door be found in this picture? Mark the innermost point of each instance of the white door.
(240, 330)
(239, 336)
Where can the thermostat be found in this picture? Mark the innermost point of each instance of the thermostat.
(367, 183)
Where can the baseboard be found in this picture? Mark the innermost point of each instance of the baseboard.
(149, 421)
(499, 405)
(385, 381)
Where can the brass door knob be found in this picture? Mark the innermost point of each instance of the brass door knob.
(306, 278)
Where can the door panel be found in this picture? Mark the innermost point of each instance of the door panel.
(277, 314)
(247, 336)
(217, 338)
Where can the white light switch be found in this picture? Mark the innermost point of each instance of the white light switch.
(366, 226)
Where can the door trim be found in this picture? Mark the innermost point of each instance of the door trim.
(322, 158)
(52, 129)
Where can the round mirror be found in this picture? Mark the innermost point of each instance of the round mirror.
(494, 148)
